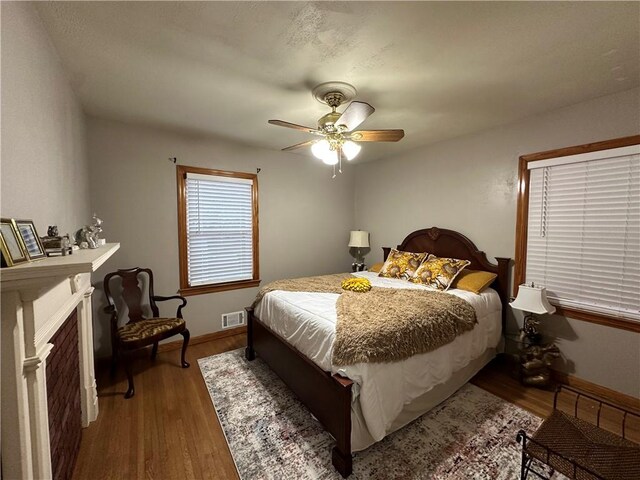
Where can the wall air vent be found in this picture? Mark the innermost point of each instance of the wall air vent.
(233, 319)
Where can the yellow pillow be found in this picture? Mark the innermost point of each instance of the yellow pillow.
(474, 280)
(438, 273)
(401, 264)
(376, 267)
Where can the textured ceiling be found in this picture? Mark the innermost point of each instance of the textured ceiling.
(437, 70)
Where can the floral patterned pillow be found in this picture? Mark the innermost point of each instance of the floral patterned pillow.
(438, 273)
(401, 264)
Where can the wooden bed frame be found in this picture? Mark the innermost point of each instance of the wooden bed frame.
(328, 396)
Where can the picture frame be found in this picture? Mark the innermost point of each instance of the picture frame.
(30, 240)
(11, 245)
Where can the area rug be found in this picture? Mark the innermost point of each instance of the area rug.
(272, 435)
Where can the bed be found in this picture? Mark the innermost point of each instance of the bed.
(360, 404)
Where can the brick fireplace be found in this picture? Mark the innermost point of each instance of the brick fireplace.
(48, 383)
(63, 398)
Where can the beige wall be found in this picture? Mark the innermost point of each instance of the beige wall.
(305, 216)
(469, 184)
(45, 173)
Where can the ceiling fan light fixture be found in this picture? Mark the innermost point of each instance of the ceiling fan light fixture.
(322, 150)
(350, 149)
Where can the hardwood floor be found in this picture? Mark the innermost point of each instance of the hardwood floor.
(169, 429)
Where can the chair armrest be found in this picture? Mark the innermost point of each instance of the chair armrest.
(158, 298)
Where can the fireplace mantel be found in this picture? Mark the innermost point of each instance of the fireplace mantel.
(36, 299)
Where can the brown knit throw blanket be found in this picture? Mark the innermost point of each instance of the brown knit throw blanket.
(386, 324)
(321, 284)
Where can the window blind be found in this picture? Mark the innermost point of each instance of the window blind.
(583, 239)
(219, 229)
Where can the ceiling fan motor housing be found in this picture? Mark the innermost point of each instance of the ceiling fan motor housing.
(326, 123)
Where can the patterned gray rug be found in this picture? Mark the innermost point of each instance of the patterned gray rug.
(273, 436)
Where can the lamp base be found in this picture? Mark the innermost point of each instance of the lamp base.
(530, 330)
(358, 267)
(534, 338)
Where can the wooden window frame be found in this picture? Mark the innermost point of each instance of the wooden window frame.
(523, 218)
(185, 288)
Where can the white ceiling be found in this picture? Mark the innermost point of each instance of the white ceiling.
(437, 70)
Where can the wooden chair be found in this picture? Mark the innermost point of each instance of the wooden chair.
(140, 332)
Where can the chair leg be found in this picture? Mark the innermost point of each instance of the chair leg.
(154, 351)
(128, 368)
(186, 335)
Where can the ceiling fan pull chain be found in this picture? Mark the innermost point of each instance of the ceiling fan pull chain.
(334, 172)
(340, 160)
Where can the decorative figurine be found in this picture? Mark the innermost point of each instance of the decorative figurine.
(535, 361)
(97, 225)
(88, 236)
(54, 244)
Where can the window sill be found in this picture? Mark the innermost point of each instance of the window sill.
(600, 319)
(218, 287)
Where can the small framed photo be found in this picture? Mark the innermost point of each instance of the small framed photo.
(11, 244)
(30, 239)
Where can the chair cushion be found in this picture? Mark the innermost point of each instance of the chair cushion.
(133, 332)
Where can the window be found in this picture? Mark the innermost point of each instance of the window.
(218, 230)
(578, 230)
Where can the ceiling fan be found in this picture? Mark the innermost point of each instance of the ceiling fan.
(336, 131)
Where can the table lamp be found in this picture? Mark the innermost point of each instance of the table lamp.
(533, 301)
(358, 239)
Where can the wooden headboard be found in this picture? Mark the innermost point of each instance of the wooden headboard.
(449, 243)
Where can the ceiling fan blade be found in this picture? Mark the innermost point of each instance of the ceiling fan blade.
(355, 114)
(299, 145)
(282, 123)
(377, 135)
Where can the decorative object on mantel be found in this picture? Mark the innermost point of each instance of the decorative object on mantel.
(89, 235)
(358, 239)
(535, 358)
(30, 239)
(55, 244)
(11, 246)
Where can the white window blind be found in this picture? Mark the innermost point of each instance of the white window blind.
(583, 240)
(219, 229)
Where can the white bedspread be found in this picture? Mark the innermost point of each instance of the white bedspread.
(307, 321)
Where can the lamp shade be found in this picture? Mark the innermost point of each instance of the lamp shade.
(532, 299)
(359, 239)
(350, 149)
